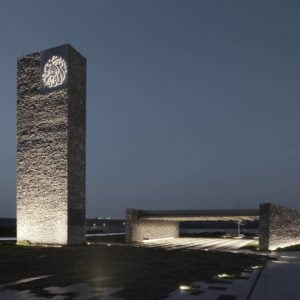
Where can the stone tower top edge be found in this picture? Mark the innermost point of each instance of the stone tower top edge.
(68, 46)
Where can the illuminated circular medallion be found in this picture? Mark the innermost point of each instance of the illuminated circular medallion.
(55, 72)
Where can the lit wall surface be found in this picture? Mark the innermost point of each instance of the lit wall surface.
(146, 225)
(51, 125)
(279, 227)
(146, 230)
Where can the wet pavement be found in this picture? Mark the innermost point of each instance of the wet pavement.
(98, 271)
(279, 280)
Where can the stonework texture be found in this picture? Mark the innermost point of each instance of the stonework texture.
(279, 227)
(138, 230)
(51, 131)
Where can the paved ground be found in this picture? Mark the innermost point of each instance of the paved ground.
(137, 272)
(211, 244)
(219, 288)
(280, 279)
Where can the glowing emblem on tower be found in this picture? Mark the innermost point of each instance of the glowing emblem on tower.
(55, 72)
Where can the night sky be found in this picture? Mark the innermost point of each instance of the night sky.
(190, 104)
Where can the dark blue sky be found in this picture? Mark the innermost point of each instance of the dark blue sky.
(191, 104)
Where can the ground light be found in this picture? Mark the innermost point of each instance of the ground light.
(184, 287)
(225, 275)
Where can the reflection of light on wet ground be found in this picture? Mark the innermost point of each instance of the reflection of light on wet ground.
(237, 287)
(134, 270)
(97, 279)
(82, 290)
(21, 295)
(26, 280)
(256, 267)
(24, 295)
(213, 244)
(225, 275)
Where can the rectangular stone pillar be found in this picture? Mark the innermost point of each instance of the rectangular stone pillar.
(279, 227)
(51, 132)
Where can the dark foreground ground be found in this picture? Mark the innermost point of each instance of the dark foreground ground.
(139, 273)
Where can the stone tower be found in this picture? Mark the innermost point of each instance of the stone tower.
(51, 134)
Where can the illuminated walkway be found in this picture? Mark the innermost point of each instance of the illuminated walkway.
(207, 244)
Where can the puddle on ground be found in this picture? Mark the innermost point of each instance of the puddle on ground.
(84, 291)
(25, 280)
(75, 291)
(100, 272)
(230, 287)
(21, 295)
(223, 286)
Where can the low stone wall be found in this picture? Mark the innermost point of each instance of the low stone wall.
(279, 227)
(138, 230)
(146, 230)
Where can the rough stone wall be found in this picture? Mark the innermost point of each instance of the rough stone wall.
(76, 147)
(138, 230)
(279, 226)
(50, 155)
